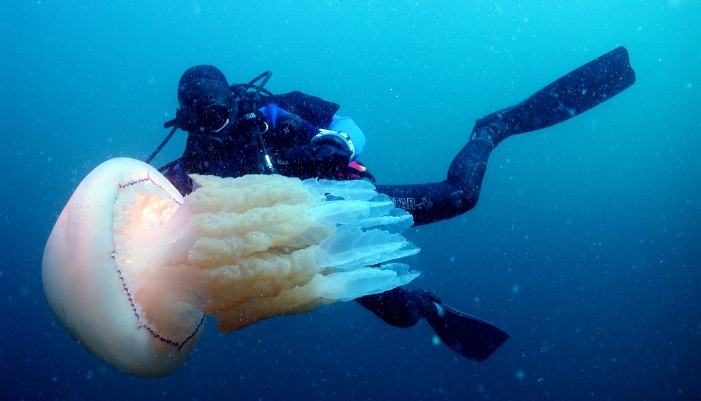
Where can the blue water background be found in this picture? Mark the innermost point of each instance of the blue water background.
(584, 245)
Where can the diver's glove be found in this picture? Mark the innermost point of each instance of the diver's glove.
(337, 139)
(249, 118)
(314, 161)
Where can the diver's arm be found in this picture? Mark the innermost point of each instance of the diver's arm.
(313, 161)
(303, 151)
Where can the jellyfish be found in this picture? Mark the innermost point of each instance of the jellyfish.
(131, 268)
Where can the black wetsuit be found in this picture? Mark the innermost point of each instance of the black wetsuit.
(293, 155)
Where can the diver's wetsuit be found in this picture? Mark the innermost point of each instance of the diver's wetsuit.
(293, 154)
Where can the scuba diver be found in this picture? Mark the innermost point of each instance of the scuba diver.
(240, 129)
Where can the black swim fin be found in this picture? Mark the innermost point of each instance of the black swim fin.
(467, 335)
(580, 90)
(397, 307)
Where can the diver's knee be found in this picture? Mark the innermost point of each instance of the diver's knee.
(462, 201)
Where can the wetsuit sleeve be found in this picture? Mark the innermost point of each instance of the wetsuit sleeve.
(429, 203)
(296, 155)
(317, 111)
(313, 161)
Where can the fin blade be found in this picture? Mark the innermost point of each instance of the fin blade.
(572, 94)
(467, 335)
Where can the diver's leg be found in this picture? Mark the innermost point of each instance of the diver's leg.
(429, 203)
(572, 94)
(468, 168)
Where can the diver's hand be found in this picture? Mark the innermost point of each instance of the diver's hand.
(314, 161)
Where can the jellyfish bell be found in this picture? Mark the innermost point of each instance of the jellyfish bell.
(85, 287)
(131, 267)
